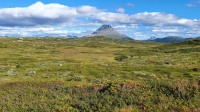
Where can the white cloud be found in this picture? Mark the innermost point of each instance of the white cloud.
(120, 10)
(193, 31)
(147, 19)
(109, 17)
(191, 5)
(57, 14)
(139, 34)
(41, 19)
(41, 14)
(120, 26)
(194, 4)
(32, 31)
(87, 10)
(130, 4)
(175, 31)
(166, 30)
(162, 19)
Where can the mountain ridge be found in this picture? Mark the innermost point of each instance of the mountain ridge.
(168, 39)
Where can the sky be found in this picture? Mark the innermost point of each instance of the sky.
(138, 19)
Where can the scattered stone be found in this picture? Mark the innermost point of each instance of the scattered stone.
(20, 38)
(140, 73)
(46, 76)
(104, 64)
(65, 74)
(153, 75)
(30, 73)
(11, 72)
(20, 41)
(4, 79)
(60, 64)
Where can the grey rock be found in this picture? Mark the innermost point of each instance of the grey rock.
(65, 74)
(11, 72)
(30, 73)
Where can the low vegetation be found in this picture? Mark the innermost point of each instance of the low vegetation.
(98, 74)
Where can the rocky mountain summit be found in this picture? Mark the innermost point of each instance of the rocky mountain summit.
(109, 31)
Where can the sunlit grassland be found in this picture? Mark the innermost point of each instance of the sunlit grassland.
(98, 74)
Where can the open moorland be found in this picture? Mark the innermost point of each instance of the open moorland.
(98, 74)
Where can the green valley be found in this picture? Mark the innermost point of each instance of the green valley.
(98, 74)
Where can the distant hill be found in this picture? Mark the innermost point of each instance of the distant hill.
(169, 39)
(195, 41)
(198, 37)
(108, 31)
(71, 36)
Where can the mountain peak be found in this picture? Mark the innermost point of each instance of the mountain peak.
(105, 27)
(109, 31)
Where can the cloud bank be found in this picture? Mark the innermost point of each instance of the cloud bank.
(55, 19)
(41, 14)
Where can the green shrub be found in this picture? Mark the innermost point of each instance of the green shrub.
(2, 45)
(121, 57)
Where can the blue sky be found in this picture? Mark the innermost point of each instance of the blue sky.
(139, 19)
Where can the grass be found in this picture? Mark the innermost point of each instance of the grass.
(98, 74)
